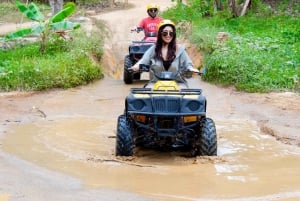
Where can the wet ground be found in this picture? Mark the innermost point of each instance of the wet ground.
(72, 132)
(59, 145)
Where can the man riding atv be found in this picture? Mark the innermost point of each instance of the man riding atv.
(149, 24)
(138, 48)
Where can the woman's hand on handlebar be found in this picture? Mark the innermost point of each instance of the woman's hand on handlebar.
(135, 68)
(194, 70)
(190, 71)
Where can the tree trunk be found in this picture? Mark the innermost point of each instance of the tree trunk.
(231, 4)
(245, 7)
(56, 5)
(219, 4)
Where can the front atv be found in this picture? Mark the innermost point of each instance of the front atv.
(167, 116)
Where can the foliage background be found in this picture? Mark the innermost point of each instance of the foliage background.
(259, 55)
(65, 64)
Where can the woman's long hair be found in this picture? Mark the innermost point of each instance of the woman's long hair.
(171, 48)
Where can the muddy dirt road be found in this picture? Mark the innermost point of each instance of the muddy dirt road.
(59, 145)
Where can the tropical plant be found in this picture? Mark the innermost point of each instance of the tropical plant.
(45, 27)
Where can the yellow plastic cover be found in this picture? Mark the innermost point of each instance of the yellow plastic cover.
(166, 85)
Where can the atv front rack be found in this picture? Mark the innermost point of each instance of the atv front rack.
(171, 92)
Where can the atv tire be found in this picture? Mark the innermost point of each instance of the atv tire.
(127, 75)
(124, 141)
(207, 143)
(137, 76)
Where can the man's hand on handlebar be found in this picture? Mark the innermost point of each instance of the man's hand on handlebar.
(137, 29)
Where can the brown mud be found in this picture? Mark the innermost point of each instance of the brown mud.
(59, 144)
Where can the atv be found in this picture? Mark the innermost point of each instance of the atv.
(135, 52)
(165, 114)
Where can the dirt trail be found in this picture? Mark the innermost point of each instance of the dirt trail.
(276, 113)
(59, 144)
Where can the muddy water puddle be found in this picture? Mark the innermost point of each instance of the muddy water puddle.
(249, 166)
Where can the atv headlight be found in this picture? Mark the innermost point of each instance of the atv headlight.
(138, 104)
(193, 105)
(196, 105)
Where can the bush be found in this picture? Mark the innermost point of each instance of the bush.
(65, 64)
(260, 55)
(255, 64)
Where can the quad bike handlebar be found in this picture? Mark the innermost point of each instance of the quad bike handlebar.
(180, 76)
(185, 72)
(147, 34)
(137, 29)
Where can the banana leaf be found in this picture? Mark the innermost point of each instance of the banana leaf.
(19, 33)
(65, 25)
(38, 29)
(32, 12)
(68, 10)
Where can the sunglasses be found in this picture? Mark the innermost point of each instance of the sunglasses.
(153, 10)
(165, 33)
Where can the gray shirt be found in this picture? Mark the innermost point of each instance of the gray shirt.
(182, 60)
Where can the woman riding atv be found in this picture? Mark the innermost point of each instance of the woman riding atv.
(149, 24)
(166, 54)
(166, 114)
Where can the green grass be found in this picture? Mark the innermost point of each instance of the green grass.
(65, 64)
(259, 56)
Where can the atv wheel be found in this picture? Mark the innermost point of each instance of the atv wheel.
(127, 75)
(207, 143)
(124, 142)
(137, 76)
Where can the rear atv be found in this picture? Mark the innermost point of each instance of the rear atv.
(166, 115)
(136, 51)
